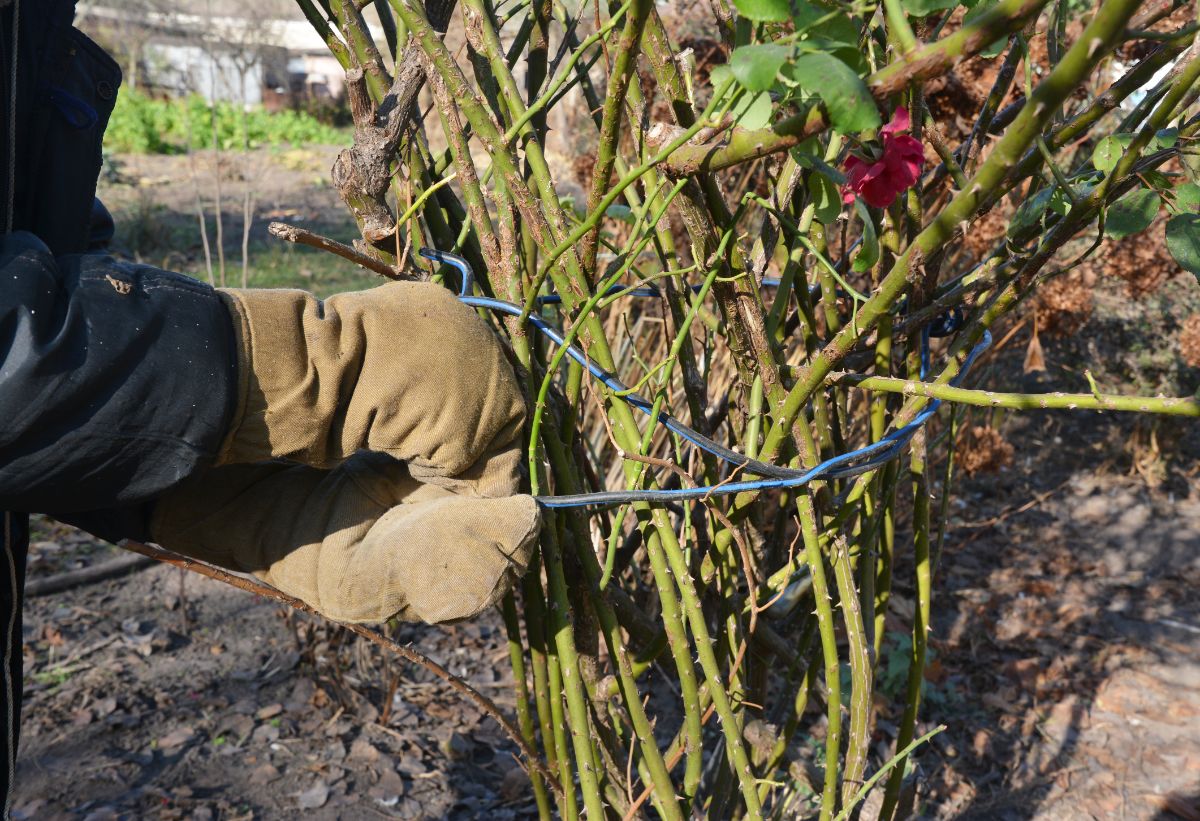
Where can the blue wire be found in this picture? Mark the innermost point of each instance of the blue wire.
(874, 454)
(468, 276)
(641, 403)
(884, 450)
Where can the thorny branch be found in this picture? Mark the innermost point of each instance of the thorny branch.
(741, 628)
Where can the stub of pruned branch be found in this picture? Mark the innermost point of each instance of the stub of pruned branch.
(362, 173)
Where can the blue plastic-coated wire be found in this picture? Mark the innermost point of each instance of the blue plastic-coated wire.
(464, 268)
(847, 464)
(882, 451)
(640, 402)
(636, 400)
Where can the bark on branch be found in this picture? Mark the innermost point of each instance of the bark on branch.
(362, 172)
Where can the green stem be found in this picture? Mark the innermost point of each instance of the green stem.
(623, 64)
(572, 679)
(921, 617)
(1185, 406)
(897, 760)
(859, 737)
(827, 630)
(1076, 65)
(321, 25)
(516, 657)
(569, 804)
(898, 27)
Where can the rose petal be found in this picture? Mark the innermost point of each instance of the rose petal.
(879, 182)
(904, 142)
(902, 171)
(879, 192)
(900, 122)
(906, 146)
(865, 172)
(858, 173)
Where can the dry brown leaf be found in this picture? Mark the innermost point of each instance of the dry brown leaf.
(1035, 361)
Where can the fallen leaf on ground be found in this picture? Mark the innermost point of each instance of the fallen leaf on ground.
(363, 750)
(176, 738)
(389, 789)
(263, 774)
(314, 797)
(270, 711)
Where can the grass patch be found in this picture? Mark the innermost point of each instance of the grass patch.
(143, 125)
(279, 265)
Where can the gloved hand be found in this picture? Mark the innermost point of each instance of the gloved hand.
(430, 524)
(404, 369)
(361, 543)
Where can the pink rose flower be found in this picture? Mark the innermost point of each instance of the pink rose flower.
(898, 169)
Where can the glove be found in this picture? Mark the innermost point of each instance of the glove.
(403, 369)
(361, 543)
(429, 524)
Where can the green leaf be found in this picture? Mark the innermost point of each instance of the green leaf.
(1183, 241)
(868, 251)
(1030, 211)
(764, 11)
(754, 113)
(979, 9)
(823, 27)
(1060, 203)
(805, 149)
(755, 67)
(821, 20)
(920, 8)
(1187, 199)
(824, 195)
(1156, 179)
(850, 105)
(822, 44)
(1131, 214)
(753, 110)
(620, 212)
(1108, 152)
(1165, 138)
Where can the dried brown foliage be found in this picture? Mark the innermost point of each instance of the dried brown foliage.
(1189, 340)
(955, 98)
(982, 449)
(1064, 304)
(582, 165)
(982, 235)
(1141, 260)
(1134, 50)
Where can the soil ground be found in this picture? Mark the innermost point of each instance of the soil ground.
(1067, 634)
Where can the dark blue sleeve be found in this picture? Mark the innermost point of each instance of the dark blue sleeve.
(66, 90)
(117, 380)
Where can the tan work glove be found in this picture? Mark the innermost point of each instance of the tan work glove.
(429, 525)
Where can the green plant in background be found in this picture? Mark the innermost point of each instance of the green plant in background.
(810, 156)
(146, 125)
